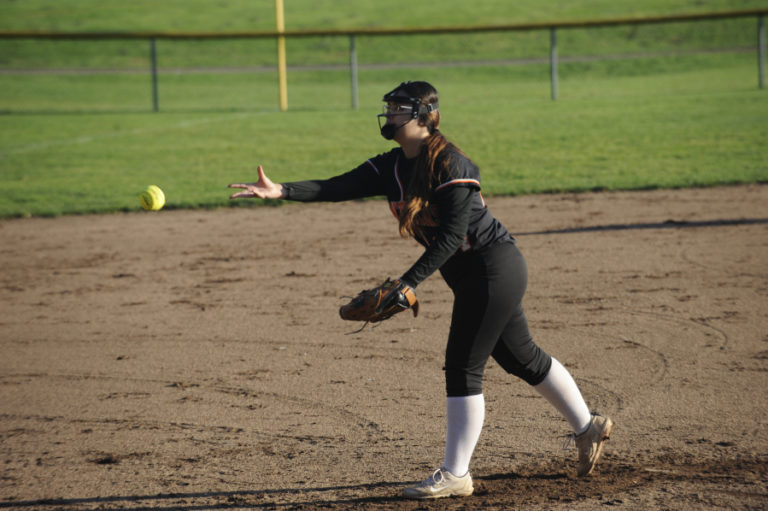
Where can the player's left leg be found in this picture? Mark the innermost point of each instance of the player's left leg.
(559, 388)
(517, 353)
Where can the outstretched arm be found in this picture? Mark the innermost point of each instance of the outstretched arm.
(357, 183)
(264, 188)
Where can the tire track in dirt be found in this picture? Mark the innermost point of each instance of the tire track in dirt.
(716, 337)
(355, 422)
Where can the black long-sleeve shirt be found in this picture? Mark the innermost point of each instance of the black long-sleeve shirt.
(456, 220)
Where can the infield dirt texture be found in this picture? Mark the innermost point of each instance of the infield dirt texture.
(195, 360)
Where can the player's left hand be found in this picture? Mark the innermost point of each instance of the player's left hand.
(381, 302)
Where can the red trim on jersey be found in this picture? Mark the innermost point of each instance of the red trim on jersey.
(396, 208)
(458, 181)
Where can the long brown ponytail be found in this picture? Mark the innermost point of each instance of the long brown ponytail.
(423, 179)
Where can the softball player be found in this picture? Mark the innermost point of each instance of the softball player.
(433, 190)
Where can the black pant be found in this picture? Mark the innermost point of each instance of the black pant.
(488, 319)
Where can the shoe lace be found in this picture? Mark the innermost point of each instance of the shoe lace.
(437, 477)
(570, 438)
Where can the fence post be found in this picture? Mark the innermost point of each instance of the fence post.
(353, 70)
(553, 61)
(153, 60)
(761, 51)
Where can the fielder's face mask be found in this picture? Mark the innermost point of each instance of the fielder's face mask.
(399, 104)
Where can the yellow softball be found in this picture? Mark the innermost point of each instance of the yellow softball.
(152, 199)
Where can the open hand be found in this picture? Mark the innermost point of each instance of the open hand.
(264, 188)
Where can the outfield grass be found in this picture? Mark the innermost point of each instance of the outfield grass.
(243, 15)
(203, 15)
(493, 46)
(80, 143)
(690, 128)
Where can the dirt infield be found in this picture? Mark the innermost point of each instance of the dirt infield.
(195, 360)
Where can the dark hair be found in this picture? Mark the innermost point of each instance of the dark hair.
(424, 177)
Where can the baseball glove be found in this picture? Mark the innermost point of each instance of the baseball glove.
(380, 303)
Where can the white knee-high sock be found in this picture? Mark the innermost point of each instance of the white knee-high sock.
(563, 393)
(464, 422)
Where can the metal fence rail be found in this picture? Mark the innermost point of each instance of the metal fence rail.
(281, 35)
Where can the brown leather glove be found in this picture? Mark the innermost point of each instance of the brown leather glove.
(380, 303)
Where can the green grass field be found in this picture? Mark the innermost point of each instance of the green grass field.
(83, 143)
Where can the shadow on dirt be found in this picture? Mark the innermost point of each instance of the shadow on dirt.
(669, 224)
(532, 486)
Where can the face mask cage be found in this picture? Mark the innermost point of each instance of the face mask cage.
(400, 105)
(396, 110)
